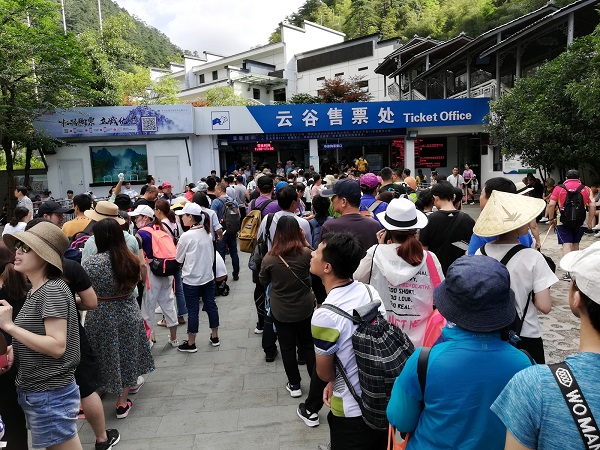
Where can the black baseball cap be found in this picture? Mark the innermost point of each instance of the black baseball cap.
(265, 182)
(347, 188)
(51, 207)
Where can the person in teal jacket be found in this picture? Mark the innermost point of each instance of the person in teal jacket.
(465, 372)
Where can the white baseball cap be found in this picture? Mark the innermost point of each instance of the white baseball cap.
(190, 208)
(142, 210)
(584, 266)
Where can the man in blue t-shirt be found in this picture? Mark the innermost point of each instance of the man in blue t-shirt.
(503, 185)
(532, 406)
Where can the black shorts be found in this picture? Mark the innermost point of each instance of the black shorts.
(87, 372)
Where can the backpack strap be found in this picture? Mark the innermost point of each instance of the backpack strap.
(268, 227)
(512, 252)
(422, 363)
(577, 404)
(509, 254)
(373, 206)
(433, 272)
(372, 260)
(339, 311)
(263, 205)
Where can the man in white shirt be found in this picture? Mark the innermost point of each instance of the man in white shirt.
(128, 191)
(22, 198)
(335, 261)
(455, 179)
(288, 200)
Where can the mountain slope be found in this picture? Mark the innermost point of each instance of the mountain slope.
(82, 15)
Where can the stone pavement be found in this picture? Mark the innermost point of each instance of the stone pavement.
(229, 397)
(218, 398)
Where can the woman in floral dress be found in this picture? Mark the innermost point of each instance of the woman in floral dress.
(116, 329)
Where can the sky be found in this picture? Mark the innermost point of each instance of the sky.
(224, 27)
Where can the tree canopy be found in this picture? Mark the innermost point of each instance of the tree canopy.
(41, 68)
(440, 19)
(550, 119)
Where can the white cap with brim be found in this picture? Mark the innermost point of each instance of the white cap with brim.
(190, 208)
(142, 210)
(584, 267)
(506, 212)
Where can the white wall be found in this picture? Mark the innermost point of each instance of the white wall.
(298, 40)
(205, 156)
(154, 148)
(307, 81)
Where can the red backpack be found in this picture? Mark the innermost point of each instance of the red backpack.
(163, 250)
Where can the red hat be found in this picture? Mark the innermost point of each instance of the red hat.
(166, 184)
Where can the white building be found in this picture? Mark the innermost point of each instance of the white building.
(264, 74)
(354, 58)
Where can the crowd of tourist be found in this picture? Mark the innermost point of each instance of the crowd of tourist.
(79, 298)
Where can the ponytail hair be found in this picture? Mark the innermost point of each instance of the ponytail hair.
(19, 216)
(410, 248)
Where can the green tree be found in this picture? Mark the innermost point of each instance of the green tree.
(302, 99)
(41, 69)
(541, 121)
(164, 91)
(109, 52)
(222, 96)
(338, 90)
(362, 19)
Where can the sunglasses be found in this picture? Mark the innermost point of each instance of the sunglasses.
(19, 245)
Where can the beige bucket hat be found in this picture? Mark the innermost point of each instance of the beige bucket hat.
(506, 212)
(104, 210)
(45, 239)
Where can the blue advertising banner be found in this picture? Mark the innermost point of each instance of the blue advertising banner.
(142, 120)
(370, 116)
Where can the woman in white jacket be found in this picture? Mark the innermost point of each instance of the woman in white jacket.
(400, 269)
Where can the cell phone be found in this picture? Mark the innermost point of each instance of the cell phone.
(3, 361)
(462, 245)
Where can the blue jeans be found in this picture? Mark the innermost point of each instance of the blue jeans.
(192, 301)
(51, 415)
(230, 241)
(179, 296)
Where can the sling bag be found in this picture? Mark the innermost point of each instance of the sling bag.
(577, 404)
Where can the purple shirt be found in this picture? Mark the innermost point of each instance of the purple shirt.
(468, 174)
(272, 207)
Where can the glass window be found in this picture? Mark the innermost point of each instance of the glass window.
(256, 94)
(215, 75)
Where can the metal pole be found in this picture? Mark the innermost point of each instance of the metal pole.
(35, 87)
(100, 15)
(62, 8)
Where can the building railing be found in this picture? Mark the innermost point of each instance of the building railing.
(416, 95)
(487, 89)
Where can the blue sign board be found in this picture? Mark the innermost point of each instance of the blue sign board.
(370, 116)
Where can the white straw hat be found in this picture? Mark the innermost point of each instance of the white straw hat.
(506, 212)
(401, 214)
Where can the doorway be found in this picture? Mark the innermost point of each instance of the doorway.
(70, 173)
(167, 169)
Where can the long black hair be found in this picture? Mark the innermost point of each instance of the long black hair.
(126, 267)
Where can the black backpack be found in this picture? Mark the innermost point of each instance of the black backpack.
(231, 216)
(381, 350)
(572, 214)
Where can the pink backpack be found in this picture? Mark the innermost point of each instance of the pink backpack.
(163, 263)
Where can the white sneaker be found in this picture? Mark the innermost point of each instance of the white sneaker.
(158, 310)
(294, 390)
(596, 228)
(174, 343)
(150, 343)
(597, 235)
(543, 220)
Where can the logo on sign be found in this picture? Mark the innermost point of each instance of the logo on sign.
(220, 120)
(332, 146)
